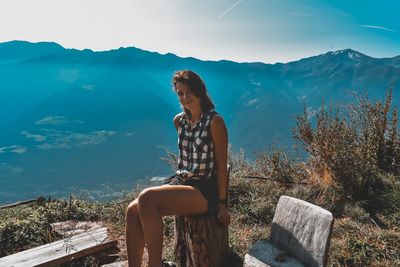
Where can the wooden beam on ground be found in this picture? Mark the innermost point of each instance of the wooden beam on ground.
(69, 228)
(62, 251)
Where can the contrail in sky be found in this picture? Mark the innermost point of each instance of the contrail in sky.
(378, 27)
(226, 11)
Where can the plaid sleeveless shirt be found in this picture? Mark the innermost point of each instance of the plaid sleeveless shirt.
(196, 153)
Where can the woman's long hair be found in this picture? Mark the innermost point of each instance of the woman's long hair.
(196, 85)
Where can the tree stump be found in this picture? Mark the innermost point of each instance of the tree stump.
(200, 241)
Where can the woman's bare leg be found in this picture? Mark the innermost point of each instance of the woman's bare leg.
(155, 202)
(134, 235)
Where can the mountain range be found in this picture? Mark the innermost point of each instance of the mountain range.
(98, 122)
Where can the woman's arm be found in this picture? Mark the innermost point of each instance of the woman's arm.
(219, 135)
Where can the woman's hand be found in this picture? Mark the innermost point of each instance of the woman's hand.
(223, 215)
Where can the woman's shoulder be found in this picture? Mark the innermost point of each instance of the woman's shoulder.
(218, 127)
(217, 119)
(212, 114)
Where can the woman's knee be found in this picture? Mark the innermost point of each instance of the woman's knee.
(147, 199)
(132, 211)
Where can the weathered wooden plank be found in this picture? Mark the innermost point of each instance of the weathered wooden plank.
(69, 228)
(265, 254)
(62, 251)
(303, 230)
(300, 235)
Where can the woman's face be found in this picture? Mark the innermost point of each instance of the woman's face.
(187, 99)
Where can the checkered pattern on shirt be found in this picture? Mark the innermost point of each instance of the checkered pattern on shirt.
(196, 154)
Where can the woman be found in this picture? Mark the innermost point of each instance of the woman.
(199, 185)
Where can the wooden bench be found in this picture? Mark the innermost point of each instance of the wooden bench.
(201, 240)
(62, 251)
(300, 236)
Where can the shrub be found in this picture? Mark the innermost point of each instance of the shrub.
(356, 150)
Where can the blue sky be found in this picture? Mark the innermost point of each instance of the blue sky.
(240, 30)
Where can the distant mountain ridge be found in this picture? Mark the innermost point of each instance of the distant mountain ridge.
(78, 119)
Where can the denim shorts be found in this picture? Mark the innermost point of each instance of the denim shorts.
(207, 186)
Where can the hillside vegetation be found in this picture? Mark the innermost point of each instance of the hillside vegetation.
(347, 161)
